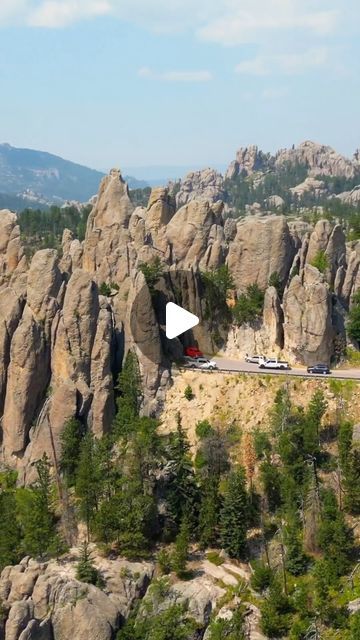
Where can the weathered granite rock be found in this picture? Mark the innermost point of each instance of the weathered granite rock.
(261, 247)
(200, 185)
(307, 306)
(45, 601)
(105, 247)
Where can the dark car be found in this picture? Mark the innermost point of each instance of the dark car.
(321, 369)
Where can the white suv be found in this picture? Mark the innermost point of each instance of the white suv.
(200, 363)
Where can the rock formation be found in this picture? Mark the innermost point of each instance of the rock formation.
(62, 342)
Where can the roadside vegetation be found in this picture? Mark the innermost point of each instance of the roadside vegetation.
(297, 489)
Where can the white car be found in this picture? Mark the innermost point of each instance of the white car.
(254, 359)
(273, 363)
(200, 363)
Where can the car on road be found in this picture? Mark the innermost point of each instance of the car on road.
(320, 369)
(273, 363)
(193, 352)
(200, 363)
(254, 359)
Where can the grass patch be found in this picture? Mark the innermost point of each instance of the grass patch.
(215, 558)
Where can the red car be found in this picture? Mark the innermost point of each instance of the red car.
(193, 352)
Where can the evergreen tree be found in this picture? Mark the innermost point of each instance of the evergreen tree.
(296, 560)
(355, 626)
(209, 513)
(85, 569)
(9, 527)
(225, 629)
(335, 537)
(181, 550)
(88, 481)
(234, 514)
(37, 515)
(312, 422)
(129, 402)
(349, 458)
(70, 440)
(353, 326)
(275, 612)
(271, 481)
(182, 492)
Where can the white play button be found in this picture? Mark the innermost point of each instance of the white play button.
(178, 320)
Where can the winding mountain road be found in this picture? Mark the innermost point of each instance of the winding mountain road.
(228, 364)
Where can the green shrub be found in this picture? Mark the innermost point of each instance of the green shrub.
(249, 305)
(203, 429)
(188, 393)
(105, 289)
(164, 560)
(275, 281)
(353, 326)
(262, 577)
(215, 558)
(320, 262)
(152, 272)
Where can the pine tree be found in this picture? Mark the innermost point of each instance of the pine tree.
(88, 481)
(296, 560)
(85, 569)
(234, 514)
(182, 491)
(129, 402)
(37, 514)
(209, 513)
(275, 619)
(70, 440)
(181, 551)
(271, 481)
(312, 422)
(335, 538)
(349, 458)
(9, 527)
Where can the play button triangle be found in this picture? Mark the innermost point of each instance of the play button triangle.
(178, 320)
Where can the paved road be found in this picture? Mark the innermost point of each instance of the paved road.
(227, 364)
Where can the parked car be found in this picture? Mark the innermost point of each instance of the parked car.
(322, 369)
(254, 359)
(193, 352)
(200, 363)
(273, 363)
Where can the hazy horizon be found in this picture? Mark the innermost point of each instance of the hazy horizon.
(110, 82)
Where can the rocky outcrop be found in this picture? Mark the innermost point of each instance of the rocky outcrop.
(106, 252)
(319, 158)
(207, 184)
(188, 233)
(310, 185)
(45, 601)
(62, 341)
(248, 161)
(307, 306)
(261, 247)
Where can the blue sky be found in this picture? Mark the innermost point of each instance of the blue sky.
(132, 83)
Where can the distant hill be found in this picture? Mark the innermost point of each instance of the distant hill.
(31, 177)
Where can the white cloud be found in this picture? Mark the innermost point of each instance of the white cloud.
(252, 20)
(227, 22)
(175, 76)
(288, 64)
(12, 9)
(61, 13)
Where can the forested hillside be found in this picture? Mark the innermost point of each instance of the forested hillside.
(288, 506)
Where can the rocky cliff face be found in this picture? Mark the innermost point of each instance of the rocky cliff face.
(62, 342)
(45, 601)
